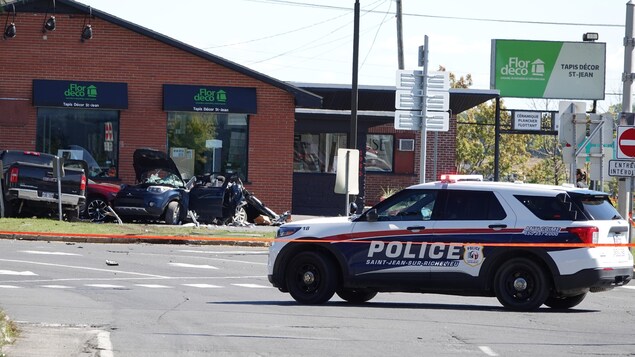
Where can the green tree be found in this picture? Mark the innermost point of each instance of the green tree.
(547, 165)
(476, 144)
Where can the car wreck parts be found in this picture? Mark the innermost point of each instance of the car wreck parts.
(162, 195)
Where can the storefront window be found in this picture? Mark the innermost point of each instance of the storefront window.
(379, 152)
(201, 143)
(317, 152)
(85, 134)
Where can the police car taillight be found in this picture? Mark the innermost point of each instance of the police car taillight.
(588, 235)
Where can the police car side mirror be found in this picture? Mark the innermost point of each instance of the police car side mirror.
(352, 208)
(371, 215)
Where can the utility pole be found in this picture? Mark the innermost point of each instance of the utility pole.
(625, 185)
(352, 144)
(399, 36)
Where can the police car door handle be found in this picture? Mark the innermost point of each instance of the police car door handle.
(497, 226)
(416, 228)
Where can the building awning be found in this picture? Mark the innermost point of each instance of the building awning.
(382, 98)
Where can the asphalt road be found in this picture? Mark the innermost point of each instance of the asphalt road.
(183, 300)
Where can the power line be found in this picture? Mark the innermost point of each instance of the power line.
(311, 45)
(481, 19)
(377, 33)
(278, 34)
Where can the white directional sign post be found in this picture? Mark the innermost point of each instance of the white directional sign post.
(423, 102)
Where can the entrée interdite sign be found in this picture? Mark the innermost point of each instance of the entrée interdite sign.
(548, 69)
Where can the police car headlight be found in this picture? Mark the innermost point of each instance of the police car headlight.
(286, 231)
(158, 189)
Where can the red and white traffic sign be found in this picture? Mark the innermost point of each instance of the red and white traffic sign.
(625, 142)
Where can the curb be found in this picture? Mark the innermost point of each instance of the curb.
(57, 237)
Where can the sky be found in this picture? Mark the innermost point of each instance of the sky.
(311, 41)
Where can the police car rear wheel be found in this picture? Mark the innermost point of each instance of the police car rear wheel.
(520, 284)
(564, 302)
(311, 278)
(356, 296)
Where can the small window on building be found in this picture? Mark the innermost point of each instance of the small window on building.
(379, 152)
(317, 152)
(201, 143)
(83, 134)
(406, 145)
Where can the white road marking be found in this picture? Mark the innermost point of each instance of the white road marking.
(488, 351)
(108, 286)
(253, 286)
(154, 286)
(197, 266)
(47, 253)
(83, 268)
(629, 287)
(9, 287)
(203, 286)
(57, 286)
(104, 345)
(11, 272)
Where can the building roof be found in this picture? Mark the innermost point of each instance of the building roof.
(302, 97)
(382, 98)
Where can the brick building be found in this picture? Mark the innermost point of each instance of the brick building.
(109, 86)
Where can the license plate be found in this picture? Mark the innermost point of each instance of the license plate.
(620, 239)
(48, 195)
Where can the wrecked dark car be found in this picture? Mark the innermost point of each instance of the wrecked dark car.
(161, 194)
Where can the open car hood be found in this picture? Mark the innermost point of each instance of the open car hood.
(149, 159)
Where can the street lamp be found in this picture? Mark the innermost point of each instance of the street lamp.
(590, 37)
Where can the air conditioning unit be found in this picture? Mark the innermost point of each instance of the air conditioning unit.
(406, 144)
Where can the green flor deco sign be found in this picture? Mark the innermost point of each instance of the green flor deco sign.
(547, 69)
(206, 96)
(209, 99)
(80, 94)
(75, 91)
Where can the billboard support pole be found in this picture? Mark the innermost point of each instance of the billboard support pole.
(497, 135)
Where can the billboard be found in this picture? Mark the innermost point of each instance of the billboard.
(548, 69)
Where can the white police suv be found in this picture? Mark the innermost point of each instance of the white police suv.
(526, 244)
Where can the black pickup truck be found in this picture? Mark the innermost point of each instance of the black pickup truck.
(29, 185)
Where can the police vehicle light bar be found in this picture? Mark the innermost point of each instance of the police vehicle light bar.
(457, 178)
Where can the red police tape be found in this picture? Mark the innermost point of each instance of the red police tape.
(127, 237)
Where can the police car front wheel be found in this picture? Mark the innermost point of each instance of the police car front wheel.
(520, 284)
(311, 278)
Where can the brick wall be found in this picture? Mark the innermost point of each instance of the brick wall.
(116, 54)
